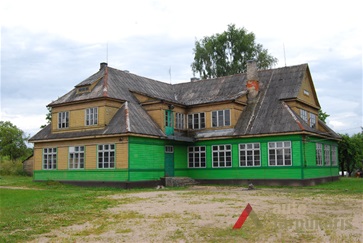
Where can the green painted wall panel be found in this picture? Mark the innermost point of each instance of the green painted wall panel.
(145, 175)
(146, 159)
(321, 171)
(81, 175)
(246, 173)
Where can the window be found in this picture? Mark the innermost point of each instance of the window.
(222, 155)
(312, 120)
(327, 154)
(179, 121)
(63, 119)
(334, 159)
(196, 157)
(83, 89)
(106, 156)
(196, 121)
(279, 153)
(169, 149)
(221, 118)
(50, 158)
(304, 115)
(319, 153)
(91, 116)
(76, 157)
(306, 92)
(168, 118)
(249, 154)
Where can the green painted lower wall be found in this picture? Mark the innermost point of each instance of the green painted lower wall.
(80, 175)
(146, 161)
(316, 172)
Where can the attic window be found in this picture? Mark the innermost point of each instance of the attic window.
(83, 89)
(306, 92)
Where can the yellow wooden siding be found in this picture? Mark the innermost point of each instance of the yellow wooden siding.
(143, 98)
(307, 87)
(122, 155)
(38, 154)
(62, 158)
(90, 152)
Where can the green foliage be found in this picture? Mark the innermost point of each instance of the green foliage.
(322, 116)
(351, 152)
(9, 167)
(48, 117)
(227, 53)
(12, 141)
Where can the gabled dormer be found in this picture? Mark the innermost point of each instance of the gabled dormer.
(306, 103)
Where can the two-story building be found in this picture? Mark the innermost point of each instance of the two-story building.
(117, 128)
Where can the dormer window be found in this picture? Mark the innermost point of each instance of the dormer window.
(83, 89)
(312, 120)
(221, 118)
(91, 116)
(63, 119)
(304, 115)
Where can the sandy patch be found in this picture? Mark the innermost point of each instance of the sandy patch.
(207, 214)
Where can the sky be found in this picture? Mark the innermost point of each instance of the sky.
(48, 47)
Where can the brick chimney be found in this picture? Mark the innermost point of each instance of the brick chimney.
(103, 64)
(253, 84)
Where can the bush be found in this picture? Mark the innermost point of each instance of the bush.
(8, 167)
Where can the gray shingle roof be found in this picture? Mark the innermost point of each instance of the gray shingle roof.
(266, 115)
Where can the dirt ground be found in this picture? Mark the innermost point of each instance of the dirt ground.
(208, 214)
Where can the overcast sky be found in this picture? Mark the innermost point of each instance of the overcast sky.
(47, 47)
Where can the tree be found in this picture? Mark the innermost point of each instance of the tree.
(351, 152)
(322, 116)
(227, 53)
(48, 117)
(12, 141)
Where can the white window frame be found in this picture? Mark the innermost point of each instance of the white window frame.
(222, 156)
(106, 156)
(312, 120)
(249, 154)
(180, 121)
(196, 121)
(49, 158)
(319, 154)
(304, 115)
(91, 116)
(281, 148)
(221, 118)
(327, 154)
(334, 155)
(169, 149)
(63, 119)
(197, 157)
(76, 157)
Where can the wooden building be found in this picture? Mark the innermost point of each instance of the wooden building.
(117, 128)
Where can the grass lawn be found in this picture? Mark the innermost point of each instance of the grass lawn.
(35, 209)
(40, 207)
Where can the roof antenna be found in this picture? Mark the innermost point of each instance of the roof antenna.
(170, 73)
(283, 44)
(107, 52)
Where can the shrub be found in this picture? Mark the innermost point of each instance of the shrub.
(8, 167)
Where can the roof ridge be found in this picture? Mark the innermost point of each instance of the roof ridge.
(105, 83)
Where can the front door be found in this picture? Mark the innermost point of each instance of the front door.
(169, 161)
